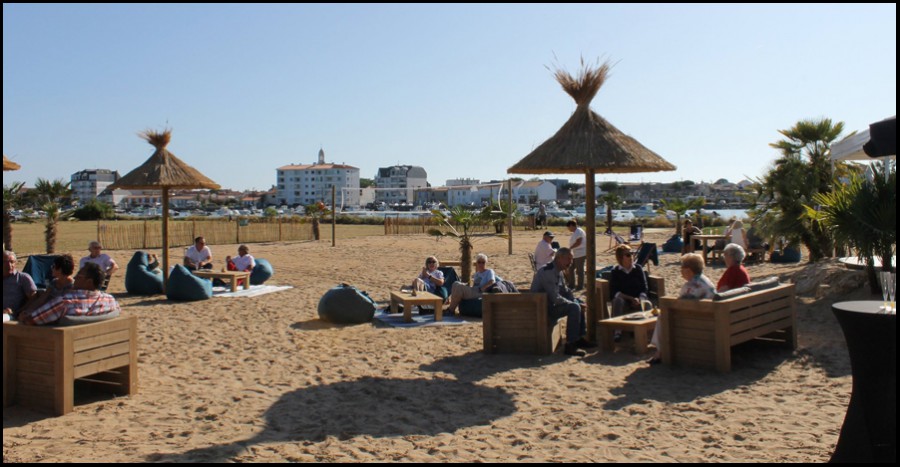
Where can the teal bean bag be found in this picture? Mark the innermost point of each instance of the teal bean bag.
(470, 307)
(261, 272)
(140, 278)
(673, 245)
(346, 304)
(789, 255)
(184, 286)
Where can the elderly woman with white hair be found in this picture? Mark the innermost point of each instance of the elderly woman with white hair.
(482, 281)
(735, 274)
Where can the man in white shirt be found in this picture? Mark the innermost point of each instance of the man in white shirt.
(543, 253)
(107, 264)
(198, 256)
(578, 245)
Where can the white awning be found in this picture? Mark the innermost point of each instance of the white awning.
(851, 148)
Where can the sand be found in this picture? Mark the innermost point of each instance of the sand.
(263, 379)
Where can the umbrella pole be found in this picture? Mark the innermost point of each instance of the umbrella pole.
(510, 214)
(165, 237)
(591, 222)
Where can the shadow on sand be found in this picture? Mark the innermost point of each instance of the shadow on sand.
(375, 407)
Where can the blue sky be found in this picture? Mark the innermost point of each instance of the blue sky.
(461, 90)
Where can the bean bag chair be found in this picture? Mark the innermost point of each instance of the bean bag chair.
(789, 255)
(346, 304)
(673, 245)
(140, 278)
(449, 278)
(184, 286)
(470, 307)
(38, 267)
(261, 272)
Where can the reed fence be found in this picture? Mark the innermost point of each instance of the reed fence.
(122, 236)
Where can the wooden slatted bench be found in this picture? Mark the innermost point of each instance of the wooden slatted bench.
(519, 323)
(656, 286)
(702, 332)
(41, 363)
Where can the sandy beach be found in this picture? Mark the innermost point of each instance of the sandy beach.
(264, 380)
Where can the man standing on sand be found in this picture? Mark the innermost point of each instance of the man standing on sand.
(578, 245)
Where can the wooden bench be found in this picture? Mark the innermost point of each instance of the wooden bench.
(702, 332)
(519, 323)
(41, 363)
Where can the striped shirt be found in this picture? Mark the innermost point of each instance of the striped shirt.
(75, 302)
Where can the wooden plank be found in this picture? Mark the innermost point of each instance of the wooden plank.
(761, 320)
(27, 378)
(33, 354)
(748, 313)
(101, 365)
(101, 353)
(693, 333)
(115, 337)
(693, 323)
(760, 331)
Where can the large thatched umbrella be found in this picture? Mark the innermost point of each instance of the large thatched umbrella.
(163, 171)
(9, 165)
(588, 144)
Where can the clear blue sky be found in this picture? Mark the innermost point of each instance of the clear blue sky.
(461, 90)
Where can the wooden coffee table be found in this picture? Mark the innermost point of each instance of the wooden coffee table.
(421, 298)
(233, 276)
(642, 329)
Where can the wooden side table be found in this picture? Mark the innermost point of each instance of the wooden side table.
(421, 298)
(642, 329)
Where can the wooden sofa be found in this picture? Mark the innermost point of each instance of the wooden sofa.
(41, 363)
(702, 332)
(519, 323)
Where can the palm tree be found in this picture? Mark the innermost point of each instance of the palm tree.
(462, 218)
(803, 171)
(863, 216)
(680, 207)
(12, 199)
(49, 194)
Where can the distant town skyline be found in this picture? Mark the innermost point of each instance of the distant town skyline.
(460, 90)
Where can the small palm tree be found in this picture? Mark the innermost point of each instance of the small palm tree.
(50, 195)
(464, 219)
(680, 207)
(12, 199)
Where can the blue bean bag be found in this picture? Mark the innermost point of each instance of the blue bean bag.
(789, 255)
(470, 307)
(673, 245)
(140, 278)
(184, 286)
(346, 304)
(261, 272)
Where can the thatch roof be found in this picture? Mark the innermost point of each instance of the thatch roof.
(587, 140)
(9, 165)
(163, 169)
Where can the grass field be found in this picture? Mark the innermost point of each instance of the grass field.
(28, 238)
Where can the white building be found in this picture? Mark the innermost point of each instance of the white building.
(309, 184)
(534, 192)
(88, 184)
(404, 179)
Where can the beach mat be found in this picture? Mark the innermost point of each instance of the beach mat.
(396, 320)
(253, 291)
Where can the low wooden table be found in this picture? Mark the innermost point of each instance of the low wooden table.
(642, 329)
(233, 276)
(707, 238)
(421, 298)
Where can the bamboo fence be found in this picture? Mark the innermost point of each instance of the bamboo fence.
(120, 236)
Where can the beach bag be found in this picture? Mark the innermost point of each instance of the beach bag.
(346, 304)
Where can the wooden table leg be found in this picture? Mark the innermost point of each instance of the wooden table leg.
(606, 337)
(247, 282)
(393, 306)
(640, 339)
(438, 310)
(407, 312)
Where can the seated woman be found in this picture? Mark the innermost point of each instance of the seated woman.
(483, 280)
(735, 275)
(430, 279)
(687, 234)
(736, 234)
(242, 262)
(63, 271)
(627, 283)
(696, 287)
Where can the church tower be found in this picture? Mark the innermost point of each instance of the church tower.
(321, 156)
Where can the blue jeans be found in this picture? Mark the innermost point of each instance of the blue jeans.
(576, 326)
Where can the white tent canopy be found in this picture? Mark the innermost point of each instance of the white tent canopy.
(851, 148)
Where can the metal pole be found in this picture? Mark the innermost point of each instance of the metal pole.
(510, 215)
(333, 218)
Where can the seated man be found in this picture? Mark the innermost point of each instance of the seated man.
(543, 253)
(107, 264)
(198, 256)
(627, 283)
(83, 300)
(18, 287)
(687, 234)
(561, 302)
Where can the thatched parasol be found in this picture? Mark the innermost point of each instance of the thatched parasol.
(588, 144)
(163, 171)
(9, 165)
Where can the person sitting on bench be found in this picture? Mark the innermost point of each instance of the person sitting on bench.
(83, 300)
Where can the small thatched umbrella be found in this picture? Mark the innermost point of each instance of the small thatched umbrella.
(588, 144)
(163, 171)
(9, 165)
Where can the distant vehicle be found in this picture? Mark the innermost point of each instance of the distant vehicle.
(623, 216)
(645, 211)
